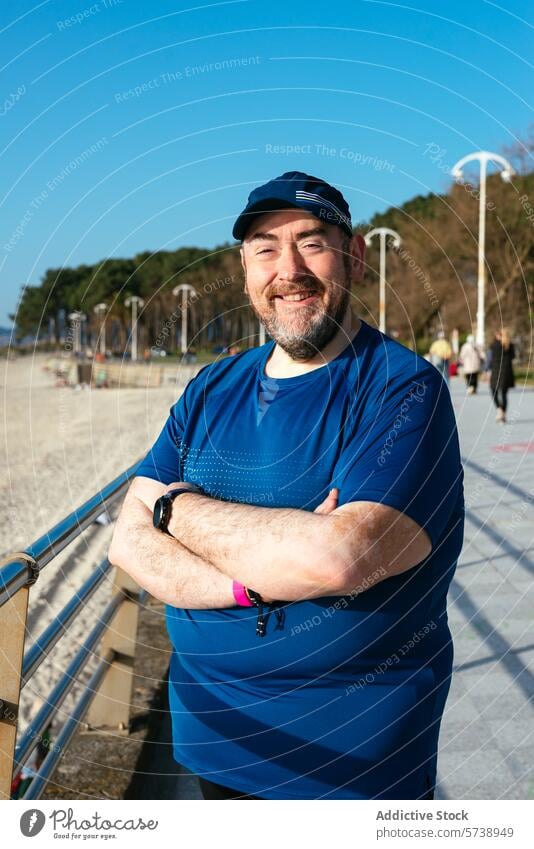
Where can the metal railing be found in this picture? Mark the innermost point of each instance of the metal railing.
(106, 696)
(24, 571)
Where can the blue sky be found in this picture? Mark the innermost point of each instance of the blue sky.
(130, 126)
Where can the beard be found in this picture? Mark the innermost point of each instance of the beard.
(318, 325)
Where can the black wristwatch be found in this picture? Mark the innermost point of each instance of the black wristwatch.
(163, 507)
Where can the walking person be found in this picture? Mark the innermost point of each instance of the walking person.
(323, 470)
(470, 360)
(500, 358)
(440, 354)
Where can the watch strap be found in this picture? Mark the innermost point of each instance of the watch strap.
(165, 502)
(180, 490)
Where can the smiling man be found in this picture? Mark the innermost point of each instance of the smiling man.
(301, 514)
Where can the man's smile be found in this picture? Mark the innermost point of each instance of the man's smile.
(298, 298)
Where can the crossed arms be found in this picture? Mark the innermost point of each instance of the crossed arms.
(283, 553)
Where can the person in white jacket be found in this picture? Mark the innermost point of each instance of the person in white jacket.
(471, 361)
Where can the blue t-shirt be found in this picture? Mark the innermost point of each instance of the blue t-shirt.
(343, 697)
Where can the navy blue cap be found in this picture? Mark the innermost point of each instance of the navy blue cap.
(295, 190)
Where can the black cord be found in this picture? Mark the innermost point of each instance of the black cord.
(260, 623)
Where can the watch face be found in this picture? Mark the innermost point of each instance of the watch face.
(163, 506)
(161, 512)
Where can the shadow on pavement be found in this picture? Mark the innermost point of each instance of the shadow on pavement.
(157, 775)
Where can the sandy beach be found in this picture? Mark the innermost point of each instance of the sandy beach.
(59, 446)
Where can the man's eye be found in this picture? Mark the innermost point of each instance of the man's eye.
(313, 245)
(264, 251)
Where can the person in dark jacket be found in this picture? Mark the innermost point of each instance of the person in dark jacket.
(500, 357)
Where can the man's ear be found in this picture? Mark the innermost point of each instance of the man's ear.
(357, 249)
(243, 266)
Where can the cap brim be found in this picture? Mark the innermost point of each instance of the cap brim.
(249, 214)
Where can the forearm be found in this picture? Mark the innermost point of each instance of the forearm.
(276, 551)
(293, 555)
(164, 566)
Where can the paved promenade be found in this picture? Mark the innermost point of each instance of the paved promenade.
(487, 739)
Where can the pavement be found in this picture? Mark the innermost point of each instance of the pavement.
(487, 736)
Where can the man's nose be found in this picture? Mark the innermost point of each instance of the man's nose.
(291, 264)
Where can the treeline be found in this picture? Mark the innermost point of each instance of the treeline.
(432, 278)
(217, 313)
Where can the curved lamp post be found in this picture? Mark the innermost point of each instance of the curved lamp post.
(77, 317)
(483, 157)
(383, 233)
(185, 289)
(100, 310)
(134, 301)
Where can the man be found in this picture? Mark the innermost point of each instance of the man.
(331, 498)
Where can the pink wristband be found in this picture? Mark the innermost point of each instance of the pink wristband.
(240, 595)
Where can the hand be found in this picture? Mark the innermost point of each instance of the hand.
(329, 504)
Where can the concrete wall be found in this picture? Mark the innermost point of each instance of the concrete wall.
(121, 374)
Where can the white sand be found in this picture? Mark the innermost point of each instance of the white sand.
(59, 447)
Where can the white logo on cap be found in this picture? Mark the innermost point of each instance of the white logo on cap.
(313, 198)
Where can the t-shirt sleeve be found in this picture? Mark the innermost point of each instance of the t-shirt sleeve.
(404, 453)
(162, 461)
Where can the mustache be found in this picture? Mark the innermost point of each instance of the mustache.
(308, 284)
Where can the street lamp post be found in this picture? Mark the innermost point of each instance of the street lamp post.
(100, 310)
(83, 334)
(184, 289)
(483, 158)
(77, 317)
(383, 233)
(134, 301)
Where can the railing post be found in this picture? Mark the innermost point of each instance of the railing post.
(12, 632)
(111, 705)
